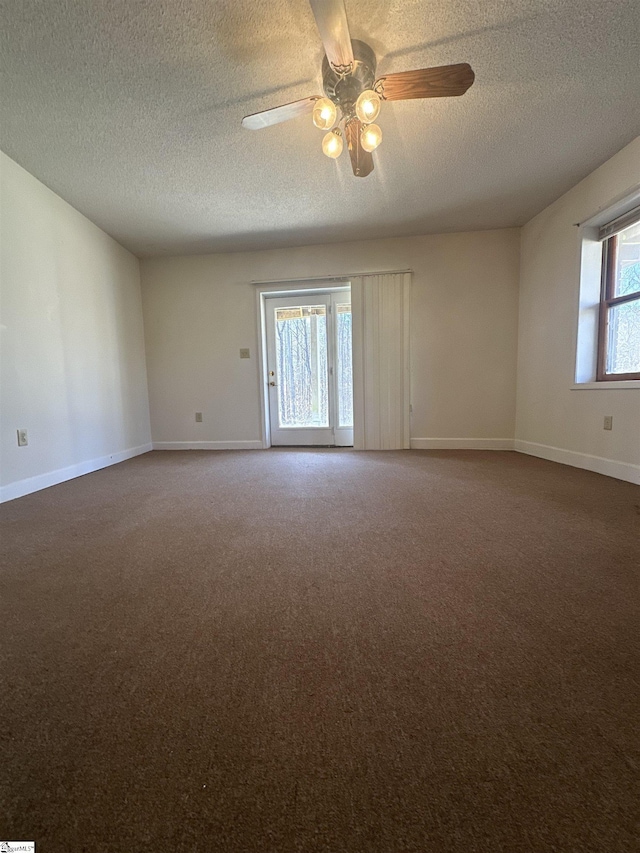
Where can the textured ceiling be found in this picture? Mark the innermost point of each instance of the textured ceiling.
(131, 110)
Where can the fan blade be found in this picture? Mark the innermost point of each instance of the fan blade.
(361, 160)
(331, 19)
(287, 111)
(445, 81)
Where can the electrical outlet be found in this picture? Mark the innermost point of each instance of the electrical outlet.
(244, 353)
(198, 417)
(23, 438)
(608, 421)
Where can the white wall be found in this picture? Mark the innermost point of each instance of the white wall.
(200, 310)
(71, 337)
(551, 416)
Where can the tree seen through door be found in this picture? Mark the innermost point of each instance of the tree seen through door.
(301, 351)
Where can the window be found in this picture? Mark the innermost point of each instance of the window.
(619, 318)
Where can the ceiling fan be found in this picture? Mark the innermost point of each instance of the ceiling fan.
(350, 85)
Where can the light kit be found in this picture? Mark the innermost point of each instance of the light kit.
(324, 113)
(370, 137)
(353, 96)
(368, 106)
(332, 143)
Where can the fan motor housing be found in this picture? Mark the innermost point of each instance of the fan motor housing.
(343, 89)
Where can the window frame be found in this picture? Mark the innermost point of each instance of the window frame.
(608, 300)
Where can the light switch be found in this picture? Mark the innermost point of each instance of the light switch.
(198, 417)
(244, 353)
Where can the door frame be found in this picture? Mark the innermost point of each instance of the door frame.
(298, 288)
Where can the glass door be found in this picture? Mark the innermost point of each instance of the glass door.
(343, 367)
(309, 369)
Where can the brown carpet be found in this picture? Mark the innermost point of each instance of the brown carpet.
(322, 651)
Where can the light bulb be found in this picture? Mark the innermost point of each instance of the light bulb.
(324, 113)
(370, 137)
(368, 106)
(332, 144)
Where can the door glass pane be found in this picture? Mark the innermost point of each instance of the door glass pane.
(344, 366)
(301, 352)
(628, 261)
(623, 351)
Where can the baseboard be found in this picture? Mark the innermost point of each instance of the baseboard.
(208, 445)
(462, 444)
(61, 475)
(608, 467)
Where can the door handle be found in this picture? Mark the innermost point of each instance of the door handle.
(273, 384)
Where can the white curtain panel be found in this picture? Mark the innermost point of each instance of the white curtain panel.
(380, 312)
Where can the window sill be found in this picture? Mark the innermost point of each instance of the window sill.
(612, 385)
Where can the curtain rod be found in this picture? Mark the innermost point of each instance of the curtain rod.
(626, 200)
(344, 277)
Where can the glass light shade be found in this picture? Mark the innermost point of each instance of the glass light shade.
(332, 144)
(368, 106)
(370, 137)
(324, 113)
